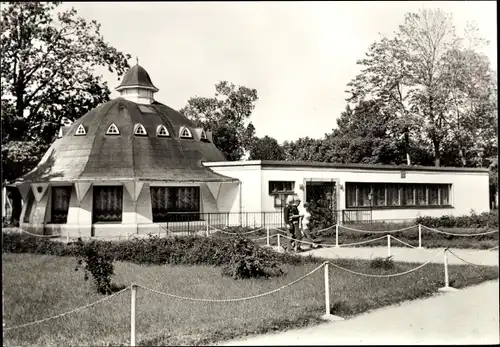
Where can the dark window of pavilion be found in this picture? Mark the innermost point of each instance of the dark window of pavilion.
(60, 204)
(107, 204)
(175, 204)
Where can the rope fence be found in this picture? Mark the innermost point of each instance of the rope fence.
(134, 287)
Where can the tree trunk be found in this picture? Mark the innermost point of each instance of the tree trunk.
(437, 153)
(462, 157)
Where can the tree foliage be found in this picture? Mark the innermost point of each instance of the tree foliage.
(435, 84)
(47, 73)
(266, 148)
(226, 115)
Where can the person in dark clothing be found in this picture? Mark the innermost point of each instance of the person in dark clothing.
(295, 221)
(289, 244)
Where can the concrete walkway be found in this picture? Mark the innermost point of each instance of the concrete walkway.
(469, 316)
(406, 254)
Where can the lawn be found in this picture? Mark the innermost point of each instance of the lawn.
(37, 286)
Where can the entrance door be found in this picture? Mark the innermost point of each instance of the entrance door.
(323, 193)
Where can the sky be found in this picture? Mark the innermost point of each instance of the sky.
(298, 55)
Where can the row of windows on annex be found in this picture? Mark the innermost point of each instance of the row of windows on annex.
(167, 204)
(397, 195)
(140, 130)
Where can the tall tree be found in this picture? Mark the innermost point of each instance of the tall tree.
(227, 116)
(410, 73)
(364, 136)
(266, 148)
(47, 73)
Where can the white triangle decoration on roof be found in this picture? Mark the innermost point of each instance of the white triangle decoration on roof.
(185, 132)
(113, 130)
(80, 130)
(39, 190)
(134, 189)
(162, 130)
(140, 130)
(81, 190)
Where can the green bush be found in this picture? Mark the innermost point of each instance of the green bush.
(238, 255)
(386, 263)
(251, 261)
(99, 265)
(472, 221)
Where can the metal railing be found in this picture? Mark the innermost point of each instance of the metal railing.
(196, 221)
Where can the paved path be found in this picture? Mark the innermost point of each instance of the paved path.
(405, 254)
(469, 316)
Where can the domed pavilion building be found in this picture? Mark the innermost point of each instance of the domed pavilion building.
(136, 166)
(124, 167)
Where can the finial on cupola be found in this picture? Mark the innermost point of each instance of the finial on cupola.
(137, 60)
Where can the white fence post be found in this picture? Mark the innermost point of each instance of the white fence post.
(267, 229)
(327, 291)
(420, 236)
(388, 245)
(67, 235)
(208, 231)
(132, 314)
(446, 287)
(279, 242)
(328, 315)
(337, 235)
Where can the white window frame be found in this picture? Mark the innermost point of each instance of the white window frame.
(203, 135)
(159, 129)
(80, 131)
(113, 130)
(183, 129)
(138, 127)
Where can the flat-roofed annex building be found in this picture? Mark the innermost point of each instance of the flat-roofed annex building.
(360, 191)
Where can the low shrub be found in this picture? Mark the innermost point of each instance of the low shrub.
(251, 261)
(483, 220)
(97, 264)
(386, 263)
(240, 256)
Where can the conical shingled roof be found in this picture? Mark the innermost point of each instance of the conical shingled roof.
(97, 156)
(136, 76)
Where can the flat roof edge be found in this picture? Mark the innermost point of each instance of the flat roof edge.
(275, 163)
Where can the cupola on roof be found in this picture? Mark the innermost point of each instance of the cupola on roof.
(137, 86)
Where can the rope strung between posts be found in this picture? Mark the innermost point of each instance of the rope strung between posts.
(69, 312)
(230, 233)
(460, 234)
(331, 245)
(36, 235)
(404, 243)
(462, 259)
(378, 231)
(234, 299)
(387, 276)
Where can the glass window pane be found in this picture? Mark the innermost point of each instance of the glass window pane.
(351, 194)
(392, 195)
(421, 195)
(364, 190)
(408, 198)
(445, 194)
(433, 194)
(378, 194)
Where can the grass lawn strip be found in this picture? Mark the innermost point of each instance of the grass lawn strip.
(37, 286)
